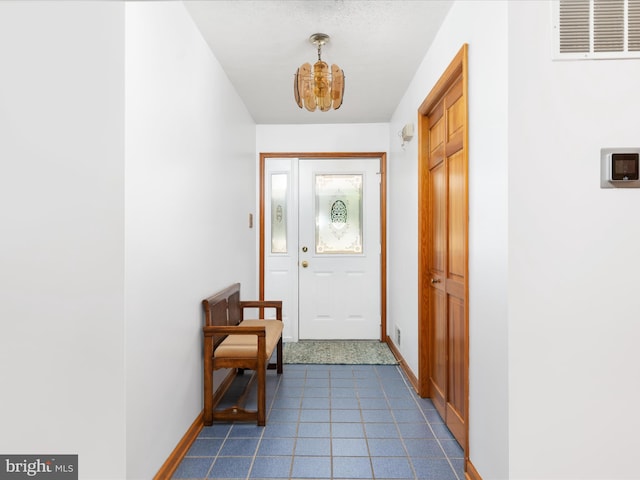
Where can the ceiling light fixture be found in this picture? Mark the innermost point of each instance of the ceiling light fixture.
(319, 88)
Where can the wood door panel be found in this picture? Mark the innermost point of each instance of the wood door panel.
(454, 145)
(437, 148)
(437, 133)
(455, 400)
(438, 398)
(438, 155)
(436, 113)
(439, 344)
(455, 423)
(457, 215)
(454, 93)
(456, 114)
(455, 106)
(456, 350)
(439, 338)
(438, 220)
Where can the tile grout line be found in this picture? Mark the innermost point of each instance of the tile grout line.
(215, 459)
(261, 438)
(414, 397)
(364, 430)
(395, 423)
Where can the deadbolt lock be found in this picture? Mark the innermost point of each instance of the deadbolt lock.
(304, 249)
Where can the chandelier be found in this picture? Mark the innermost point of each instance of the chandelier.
(319, 88)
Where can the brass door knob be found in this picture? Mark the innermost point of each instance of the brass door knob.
(305, 264)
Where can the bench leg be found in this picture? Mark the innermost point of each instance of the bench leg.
(208, 382)
(262, 382)
(279, 356)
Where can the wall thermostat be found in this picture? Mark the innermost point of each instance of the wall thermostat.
(620, 168)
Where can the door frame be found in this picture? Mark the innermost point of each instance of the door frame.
(456, 69)
(382, 156)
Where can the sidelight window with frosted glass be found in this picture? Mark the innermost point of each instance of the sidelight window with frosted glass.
(338, 213)
(279, 190)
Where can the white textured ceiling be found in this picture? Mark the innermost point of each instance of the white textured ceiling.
(260, 44)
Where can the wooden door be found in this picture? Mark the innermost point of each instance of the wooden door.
(444, 261)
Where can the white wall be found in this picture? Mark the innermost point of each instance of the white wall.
(467, 22)
(72, 251)
(62, 228)
(190, 178)
(354, 137)
(573, 272)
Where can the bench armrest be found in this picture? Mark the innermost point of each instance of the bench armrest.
(277, 304)
(233, 330)
(261, 303)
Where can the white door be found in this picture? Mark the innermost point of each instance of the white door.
(339, 249)
(337, 294)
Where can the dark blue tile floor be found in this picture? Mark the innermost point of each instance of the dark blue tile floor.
(331, 422)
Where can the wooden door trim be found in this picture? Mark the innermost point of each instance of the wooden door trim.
(456, 69)
(382, 156)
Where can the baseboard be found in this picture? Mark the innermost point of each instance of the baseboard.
(173, 462)
(403, 364)
(470, 472)
(175, 458)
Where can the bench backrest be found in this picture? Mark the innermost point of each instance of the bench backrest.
(222, 309)
(235, 312)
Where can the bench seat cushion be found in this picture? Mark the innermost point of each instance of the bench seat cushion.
(246, 346)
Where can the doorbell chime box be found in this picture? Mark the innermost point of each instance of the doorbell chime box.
(620, 168)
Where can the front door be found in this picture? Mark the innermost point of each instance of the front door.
(339, 249)
(321, 245)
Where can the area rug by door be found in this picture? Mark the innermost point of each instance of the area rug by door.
(339, 352)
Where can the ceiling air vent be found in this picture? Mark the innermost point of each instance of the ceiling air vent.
(591, 29)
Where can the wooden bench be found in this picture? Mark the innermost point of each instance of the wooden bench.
(232, 342)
